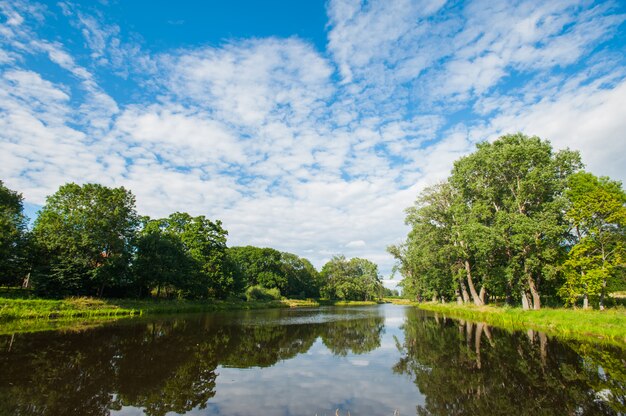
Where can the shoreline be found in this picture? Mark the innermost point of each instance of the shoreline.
(604, 326)
(30, 315)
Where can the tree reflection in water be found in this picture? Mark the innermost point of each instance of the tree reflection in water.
(165, 366)
(162, 366)
(464, 368)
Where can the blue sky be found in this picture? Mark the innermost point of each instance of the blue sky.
(305, 126)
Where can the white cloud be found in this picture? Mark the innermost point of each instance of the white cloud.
(312, 152)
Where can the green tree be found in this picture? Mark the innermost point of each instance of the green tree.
(515, 186)
(354, 279)
(434, 260)
(302, 279)
(204, 243)
(13, 237)
(597, 214)
(84, 235)
(260, 266)
(496, 225)
(161, 261)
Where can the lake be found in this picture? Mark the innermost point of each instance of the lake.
(376, 360)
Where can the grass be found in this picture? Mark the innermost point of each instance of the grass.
(15, 309)
(608, 325)
(399, 301)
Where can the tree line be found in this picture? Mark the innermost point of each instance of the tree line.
(518, 222)
(89, 240)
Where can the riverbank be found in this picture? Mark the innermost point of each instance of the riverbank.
(12, 309)
(607, 325)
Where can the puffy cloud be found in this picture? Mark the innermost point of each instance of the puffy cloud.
(312, 152)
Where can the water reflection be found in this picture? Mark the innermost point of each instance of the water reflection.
(163, 366)
(466, 368)
(369, 361)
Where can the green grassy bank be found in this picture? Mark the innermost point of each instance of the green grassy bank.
(609, 325)
(13, 309)
(19, 309)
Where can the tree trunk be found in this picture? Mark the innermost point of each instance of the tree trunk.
(602, 292)
(101, 291)
(585, 301)
(26, 281)
(459, 299)
(535, 293)
(470, 283)
(509, 294)
(525, 302)
(481, 295)
(464, 293)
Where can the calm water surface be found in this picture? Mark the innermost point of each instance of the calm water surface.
(368, 361)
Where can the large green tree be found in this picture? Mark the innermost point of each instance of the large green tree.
(354, 279)
(516, 185)
(84, 235)
(496, 226)
(294, 276)
(597, 213)
(161, 260)
(13, 237)
(198, 263)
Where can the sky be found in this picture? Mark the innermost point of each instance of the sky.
(306, 126)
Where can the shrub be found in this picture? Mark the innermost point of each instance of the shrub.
(259, 292)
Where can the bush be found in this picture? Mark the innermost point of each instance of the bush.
(259, 292)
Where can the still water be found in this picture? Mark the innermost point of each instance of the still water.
(380, 360)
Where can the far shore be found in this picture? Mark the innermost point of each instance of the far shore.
(37, 314)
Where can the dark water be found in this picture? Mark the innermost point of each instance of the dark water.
(368, 361)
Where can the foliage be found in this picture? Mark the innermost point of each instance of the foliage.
(89, 241)
(496, 228)
(84, 235)
(185, 253)
(258, 292)
(598, 218)
(293, 276)
(354, 279)
(13, 237)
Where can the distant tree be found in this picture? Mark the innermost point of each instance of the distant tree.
(84, 235)
(390, 292)
(303, 280)
(204, 254)
(294, 276)
(597, 214)
(260, 266)
(354, 279)
(161, 261)
(13, 237)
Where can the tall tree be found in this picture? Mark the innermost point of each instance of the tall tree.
(13, 237)
(204, 241)
(597, 214)
(260, 266)
(161, 261)
(84, 234)
(516, 185)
